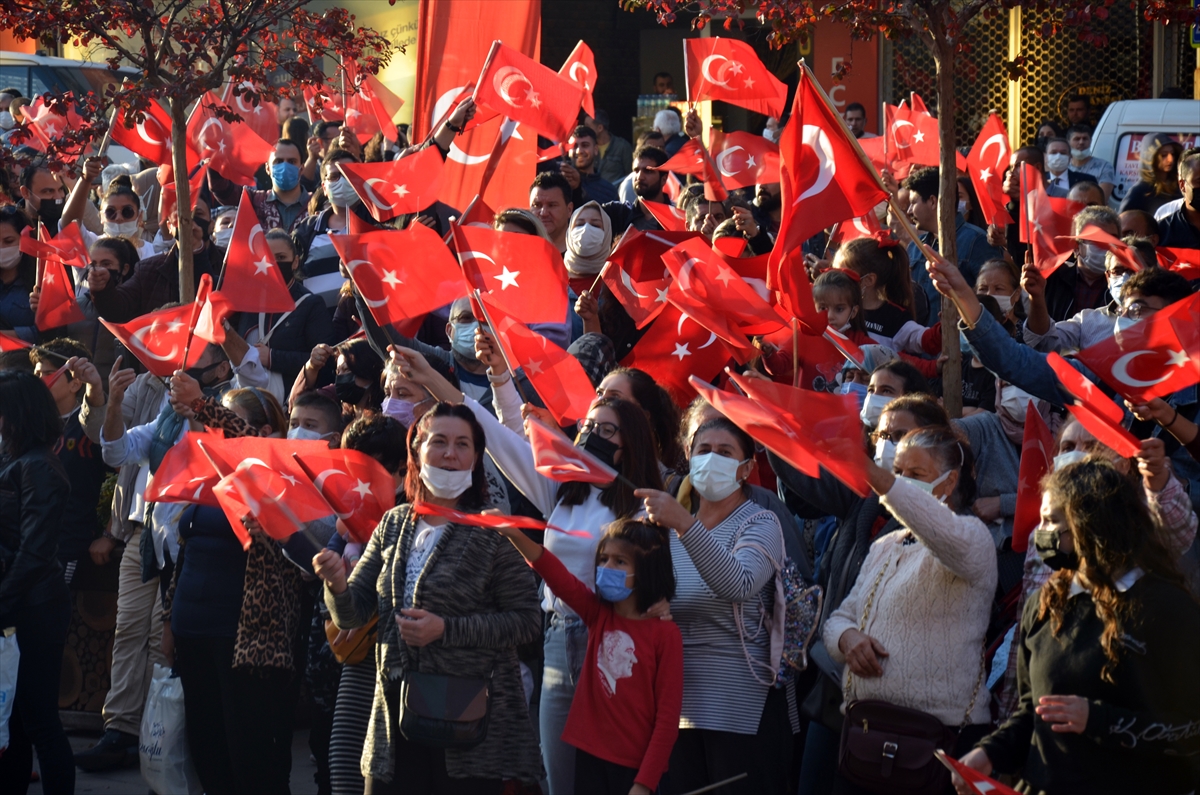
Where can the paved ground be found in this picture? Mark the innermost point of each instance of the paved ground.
(129, 781)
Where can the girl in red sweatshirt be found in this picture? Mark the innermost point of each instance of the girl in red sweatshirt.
(625, 716)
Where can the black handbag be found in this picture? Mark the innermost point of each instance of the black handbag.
(444, 711)
(889, 749)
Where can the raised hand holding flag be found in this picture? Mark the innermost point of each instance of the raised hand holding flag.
(407, 185)
(514, 85)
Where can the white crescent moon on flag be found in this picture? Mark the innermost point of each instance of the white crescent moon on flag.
(1120, 371)
(723, 161)
(861, 227)
(625, 280)
(145, 136)
(200, 136)
(136, 339)
(712, 337)
(469, 254)
(503, 81)
(439, 110)
(685, 280)
(999, 141)
(350, 266)
(319, 482)
(815, 139)
(708, 75)
(900, 123)
(256, 230)
(372, 196)
(587, 72)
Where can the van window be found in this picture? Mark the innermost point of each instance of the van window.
(1129, 156)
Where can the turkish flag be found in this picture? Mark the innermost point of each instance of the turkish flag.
(1096, 412)
(730, 70)
(1042, 226)
(234, 150)
(400, 274)
(56, 300)
(186, 473)
(40, 246)
(866, 226)
(580, 69)
(1122, 250)
(168, 201)
(986, 164)
(1154, 357)
(262, 117)
(356, 486)
(643, 301)
(912, 136)
(328, 110)
(845, 345)
(214, 309)
(556, 458)
(875, 151)
(824, 179)
(830, 433)
(520, 88)
(639, 253)
(523, 273)
(688, 160)
(793, 291)
(407, 185)
(1037, 459)
(705, 276)
(477, 214)
(979, 783)
(158, 339)
(370, 108)
(674, 348)
(70, 246)
(1180, 260)
(453, 40)
(253, 281)
(669, 217)
(557, 376)
(149, 138)
(744, 159)
(8, 343)
(281, 502)
(47, 125)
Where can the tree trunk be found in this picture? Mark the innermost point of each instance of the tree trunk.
(183, 205)
(947, 207)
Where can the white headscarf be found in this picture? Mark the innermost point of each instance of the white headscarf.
(577, 263)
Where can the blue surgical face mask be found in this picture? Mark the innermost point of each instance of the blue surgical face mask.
(856, 389)
(463, 340)
(964, 345)
(285, 176)
(305, 434)
(610, 584)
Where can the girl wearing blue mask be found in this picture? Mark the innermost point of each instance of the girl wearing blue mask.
(911, 631)
(726, 555)
(625, 716)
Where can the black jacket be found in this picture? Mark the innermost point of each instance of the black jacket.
(33, 492)
(291, 343)
(1060, 293)
(154, 282)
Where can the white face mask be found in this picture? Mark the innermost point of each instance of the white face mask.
(587, 240)
(1066, 459)
(9, 257)
(771, 135)
(128, 229)
(714, 476)
(962, 207)
(1057, 163)
(873, 408)
(341, 193)
(305, 434)
(445, 483)
(1122, 323)
(1115, 284)
(1091, 257)
(1014, 402)
(222, 236)
(885, 454)
(928, 487)
(1081, 154)
(7, 122)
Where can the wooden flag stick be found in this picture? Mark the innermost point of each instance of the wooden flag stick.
(512, 371)
(795, 352)
(718, 785)
(592, 290)
(911, 231)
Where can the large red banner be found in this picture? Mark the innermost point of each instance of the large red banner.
(453, 42)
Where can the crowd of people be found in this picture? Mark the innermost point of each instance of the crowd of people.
(630, 654)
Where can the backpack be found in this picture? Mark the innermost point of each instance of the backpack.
(793, 615)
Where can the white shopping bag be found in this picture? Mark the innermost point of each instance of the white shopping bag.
(166, 762)
(10, 658)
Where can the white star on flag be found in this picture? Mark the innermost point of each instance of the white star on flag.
(508, 278)
(262, 266)
(534, 367)
(389, 278)
(750, 161)
(919, 136)
(985, 174)
(400, 190)
(1178, 359)
(736, 67)
(725, 275)
(749, 82)
(363, 489)
(535, 99)
(681, 351)
(174, 326)
(662, 295)
(351, 115)
(290, 479)
(48, 278)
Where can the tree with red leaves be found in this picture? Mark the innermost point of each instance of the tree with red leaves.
(940, 25)
(183, 49)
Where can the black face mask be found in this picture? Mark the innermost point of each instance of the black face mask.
(1046, 544)
(346, 390)
(1195, 202)
(49, 212)
(1041, 141)
(604, 449)
(287, 269)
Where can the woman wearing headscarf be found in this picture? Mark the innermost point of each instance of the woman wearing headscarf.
(589, 242)
(1158, 181)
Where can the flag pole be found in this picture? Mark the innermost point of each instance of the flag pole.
(795, 352)
(591, 290)
(512, 371)
(806, 73)
(308, 474)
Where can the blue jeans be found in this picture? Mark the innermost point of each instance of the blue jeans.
(565, 646)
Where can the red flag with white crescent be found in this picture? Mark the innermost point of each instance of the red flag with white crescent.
(676, 347)
(1037, 458)
(580, 69)
(46, 124)
(158, 339)
(149, 138)
(555, 457)
(454, 39)
(259, 115)
(669, 217)
(524, 274)
(234, 150)
(1095, 411)
(356, 486)
(407, 185)
(986, 165)
(253, 281)
(369, 105)
(730, 70)
(744, 159)
(56, 299)
(516, 86)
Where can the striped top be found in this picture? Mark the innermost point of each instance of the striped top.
(720, 691)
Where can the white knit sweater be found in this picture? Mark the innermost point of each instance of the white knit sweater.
(931, 609)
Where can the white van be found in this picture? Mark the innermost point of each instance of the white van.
(1118, 136)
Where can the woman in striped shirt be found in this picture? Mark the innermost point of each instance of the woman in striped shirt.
(733, 721)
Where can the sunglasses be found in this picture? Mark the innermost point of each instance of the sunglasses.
(124, 212)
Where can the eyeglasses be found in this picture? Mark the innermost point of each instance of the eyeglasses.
(893, 436)
(1138, 310)
(125, 212)
(605, 430)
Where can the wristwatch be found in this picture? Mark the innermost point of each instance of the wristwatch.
(457, 130)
